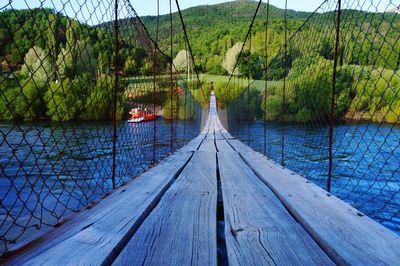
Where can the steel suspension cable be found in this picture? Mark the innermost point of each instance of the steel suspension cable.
(266, 77)
(332, 107)
(171, 78)
(284, 90)
(188, 44)
(154, 86)
(245, 40)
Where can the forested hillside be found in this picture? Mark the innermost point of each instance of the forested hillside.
(213, 29)
(43, 49)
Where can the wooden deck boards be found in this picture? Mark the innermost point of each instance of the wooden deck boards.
(342, 231)
(258, 229)
(168, 216)
(223, 145)
(94, 236)
(208, 145)
(181, 230)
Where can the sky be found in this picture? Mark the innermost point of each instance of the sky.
(83, 9)
(149, 7)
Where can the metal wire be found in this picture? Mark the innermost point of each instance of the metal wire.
(335, 80)
(71, 73)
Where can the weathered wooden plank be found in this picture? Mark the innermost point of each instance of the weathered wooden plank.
(219, 135)
(226, 134)
(181, 230)
(210, 136)
(342, 231)
(97, 235)
(223, 145)
(239, 146)
(258, 229)
(208, 145)
(194, 144)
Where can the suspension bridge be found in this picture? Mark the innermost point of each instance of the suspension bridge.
(115, 149)
(217, 200)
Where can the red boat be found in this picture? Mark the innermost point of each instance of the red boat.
(138, 115)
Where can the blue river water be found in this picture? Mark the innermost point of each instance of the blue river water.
(49, 170)
(366, 161)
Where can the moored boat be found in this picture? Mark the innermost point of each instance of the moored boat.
(139, 115)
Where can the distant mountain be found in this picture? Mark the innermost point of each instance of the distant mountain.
(223, 16)
(213, 29)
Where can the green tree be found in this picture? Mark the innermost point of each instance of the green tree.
(181, 61)
(130, 67)
(66, 99)
(99, 102)
(30, 104)
(103, 62)
(37, 67)
(9, 92)
(231, 57)
(35, 76)
(214, 65)
(52, 42)
(250, 65)
(80, 59)
(327, 48)
(171, 108)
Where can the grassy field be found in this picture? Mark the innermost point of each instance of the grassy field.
(148, 80)
(259, 84)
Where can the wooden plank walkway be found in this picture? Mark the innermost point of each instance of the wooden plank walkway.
(181, 230)
(258, 229)
(168, 216)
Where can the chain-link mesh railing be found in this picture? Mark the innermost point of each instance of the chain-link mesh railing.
(328, 103)
(79, 79)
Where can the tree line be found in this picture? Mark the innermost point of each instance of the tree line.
(62, 69)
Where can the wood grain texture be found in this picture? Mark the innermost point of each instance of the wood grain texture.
(342, 231)
(226, 134)
(168, 217)
(194, 144)
(223, 145)
(219, 135)
(208, 145)
(258, 229)
(210, 135)
(239, 146)
(181, 230)
(98, 234)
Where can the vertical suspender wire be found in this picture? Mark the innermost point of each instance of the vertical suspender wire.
(244, 93)
(235, 106)
(155, 85)
(248, 98)
(171, 79)
(332, 111)
(186, 90)
(284, 91)
(266, 79)
(239, 104)
(115, 93)
(199, 85)
(188, 45)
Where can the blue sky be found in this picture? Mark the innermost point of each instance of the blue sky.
(83, 9)
(149, 7)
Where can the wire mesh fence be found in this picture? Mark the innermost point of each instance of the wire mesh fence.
(88, 100)
(328, 107)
